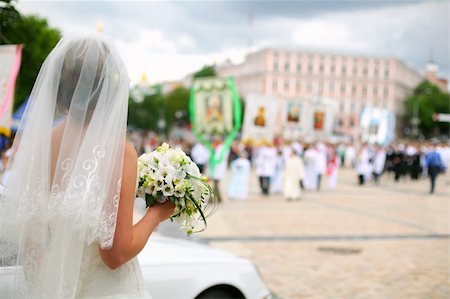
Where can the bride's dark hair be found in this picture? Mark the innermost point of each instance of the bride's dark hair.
(76, 64)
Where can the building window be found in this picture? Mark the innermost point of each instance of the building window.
(353, 89)
(365, 72)
(297, 87)
(299, 67)
(321, 68)
(286, 85)
(309, 86)
(344, 70)
(377, 73)
(355, 70)
(275, 65)
(352, 107)
(310, 68)
(341, 106)
(286, 66)
(274, 84)
(321, 87)
(375, 91)
(364, 91)
(343, 88)
(331, 87)
(386, 74)
(386, 92)
(333, 68)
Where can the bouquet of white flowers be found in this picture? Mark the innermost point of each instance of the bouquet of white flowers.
(169, 174)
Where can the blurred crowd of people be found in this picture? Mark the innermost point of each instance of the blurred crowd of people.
(289, 168)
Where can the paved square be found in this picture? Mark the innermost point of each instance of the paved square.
(387, 241)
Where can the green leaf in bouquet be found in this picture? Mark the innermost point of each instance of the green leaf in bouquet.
(199, 210)
(149, 200)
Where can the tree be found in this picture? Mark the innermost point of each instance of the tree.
(206, 71)
(38, 40)
(145, 115)
(177, 107)
(426, 100)
(8, 17)
(172, 108)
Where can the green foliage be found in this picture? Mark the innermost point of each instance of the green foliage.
(38, 40)
(145, 115)
(206, 71)
(8, 17)
(177, 107)
(171, 107)
(428, 99)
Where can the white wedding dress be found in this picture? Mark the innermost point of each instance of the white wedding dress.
(98, 281)
(95, 279)
(70, 141)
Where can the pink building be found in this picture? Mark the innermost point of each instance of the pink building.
(353, 81)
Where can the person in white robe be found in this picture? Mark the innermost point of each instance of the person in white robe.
(218, 171)
(297, 148)
(332, 169)
(444, 152)
(379, 162)
(310, 160)
(200, 155)
(276, 181)
(294, 172)
(350, 155)
(240, 173)
(363, 165)
(265, 166)
(321, 162)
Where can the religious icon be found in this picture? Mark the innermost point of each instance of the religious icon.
(319, 118)
(214, 109)
(293, 112)
(260, 119)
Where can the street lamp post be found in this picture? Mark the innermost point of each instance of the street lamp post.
(415, 119)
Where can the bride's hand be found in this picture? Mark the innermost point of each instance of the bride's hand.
(162, 210)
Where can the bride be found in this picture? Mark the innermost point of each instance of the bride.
(66, 210)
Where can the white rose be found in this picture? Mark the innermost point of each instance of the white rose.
(179, 190)
(163, 148)
(143, 171)
(167, 190)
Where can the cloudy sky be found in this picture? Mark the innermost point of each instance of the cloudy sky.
(168, 40)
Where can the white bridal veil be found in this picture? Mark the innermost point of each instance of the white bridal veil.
(62, 186)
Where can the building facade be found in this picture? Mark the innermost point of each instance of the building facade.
(351, 81)
(431, 74)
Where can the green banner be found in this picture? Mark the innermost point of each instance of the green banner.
(215, 111)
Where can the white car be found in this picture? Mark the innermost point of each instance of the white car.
(181, 269)
(178, 269)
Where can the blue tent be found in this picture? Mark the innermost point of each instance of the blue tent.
(17, 115)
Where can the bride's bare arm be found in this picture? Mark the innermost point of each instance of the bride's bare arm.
(129, 240)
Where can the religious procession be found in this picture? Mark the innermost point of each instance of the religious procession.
(292, 167)
(224, 149)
